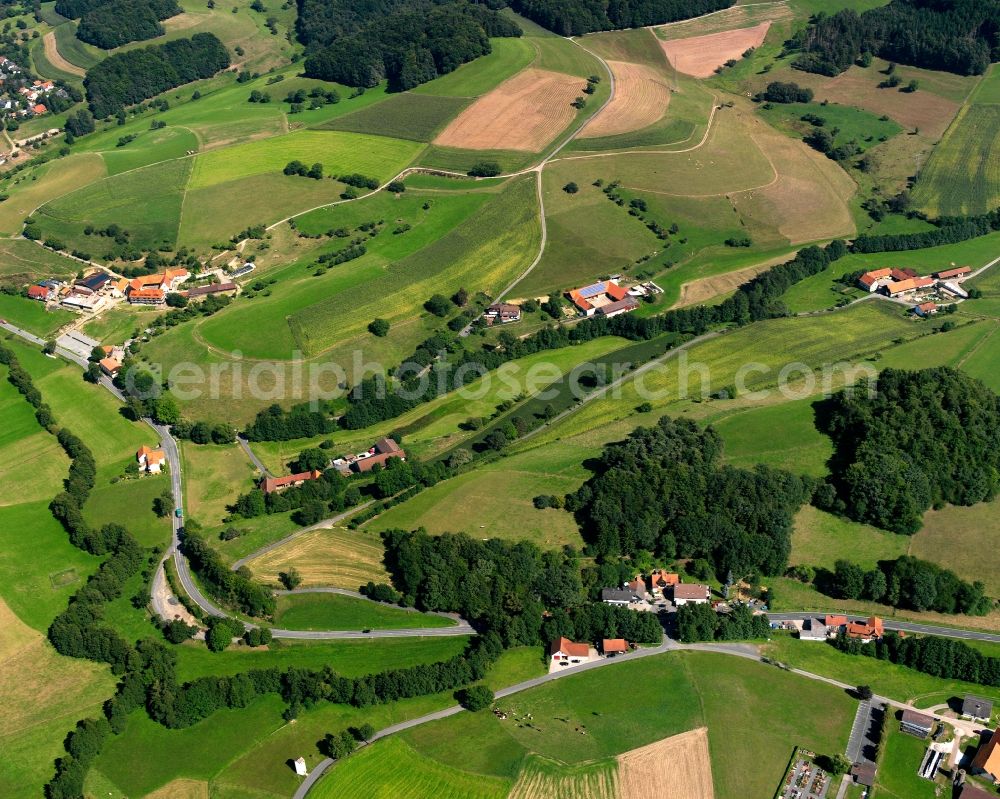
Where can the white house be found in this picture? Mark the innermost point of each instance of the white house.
(691, 593)
(150, 460)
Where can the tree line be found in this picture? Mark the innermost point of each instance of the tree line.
(940, 657)
(948, 230)
(504, 587)
(374, 401)
(961, 36)
(664, 490)
(409, 45)
(908, 441)
(702, 623)
(127, 78)
(113, 23)
(910, 583)
(236, 588)
(576, 17)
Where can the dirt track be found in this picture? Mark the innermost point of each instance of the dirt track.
(524, 113)
(55, 57)
(700, 55)
(641, 98)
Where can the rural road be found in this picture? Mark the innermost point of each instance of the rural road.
(245, 446)
(745, 651)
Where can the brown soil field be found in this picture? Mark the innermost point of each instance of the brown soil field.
(737, 16)
(705, 289)
(641, 98)
(929, 112)
(181, 789)
(523, 113)
(678, 766)
(700, 55)
(55, 57)
(809, 197)
(332, 557)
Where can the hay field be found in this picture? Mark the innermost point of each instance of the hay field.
(808, 199)
(56, 58)
(46, 183)
(642, 95)
(43, 695)
(737, 16)
(963, 175)
(334, 557)
(678, 766)
(700, 55)
(524, 113)
(214, 475)
(541, 778)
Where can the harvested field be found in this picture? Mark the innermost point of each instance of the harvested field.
(641, 98)
(55, 57)
(728, 19)
(809, 196)
(524, 113)
(541, 777)
(700, 55)
(678, 766)
(696, 292)
(181, 789)
(333, 557)
(923, 110)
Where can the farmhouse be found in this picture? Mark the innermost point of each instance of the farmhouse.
(151, 289)
(568, 653)
(638, 588)
(987, 759)
(813, 630)
(691, 593)
(39, 293)
(916, 723)
(110, 366)
(117, 288)
(605, 299)
(503, 312)
(949, 274)
(870, 281)
(866, 631)
(151, 296)
(661, 579)
(612, 647)
(977, 709)
(900, 287)
(271, 484)
(384, 449)
(926, 309)
(150, 460)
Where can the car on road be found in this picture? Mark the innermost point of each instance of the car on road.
(179, 513)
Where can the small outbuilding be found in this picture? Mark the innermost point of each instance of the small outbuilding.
(916, 723)
(976, 708)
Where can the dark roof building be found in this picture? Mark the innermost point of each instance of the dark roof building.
(864, 774)
(95, 281)
(977, 708)
(916, 723)
(617, 596)
(212, 288)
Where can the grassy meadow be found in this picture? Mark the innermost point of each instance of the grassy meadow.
(337, 612)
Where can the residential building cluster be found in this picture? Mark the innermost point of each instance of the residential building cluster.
(663, 586)
(377, 455)
(924, 292)
(22, 96)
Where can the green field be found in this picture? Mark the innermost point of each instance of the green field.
(394, 770)
(897, 774)
(32, 315)
(339, 152)
(963, 176)
(509, 57)
(149, 148)
(783, 435)
(22, 260)
(821, 539)
(146, 202)
(862, 128)
(313, 313)
(130, 503)
(410, 116)
(336, 612)
(699, 689)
